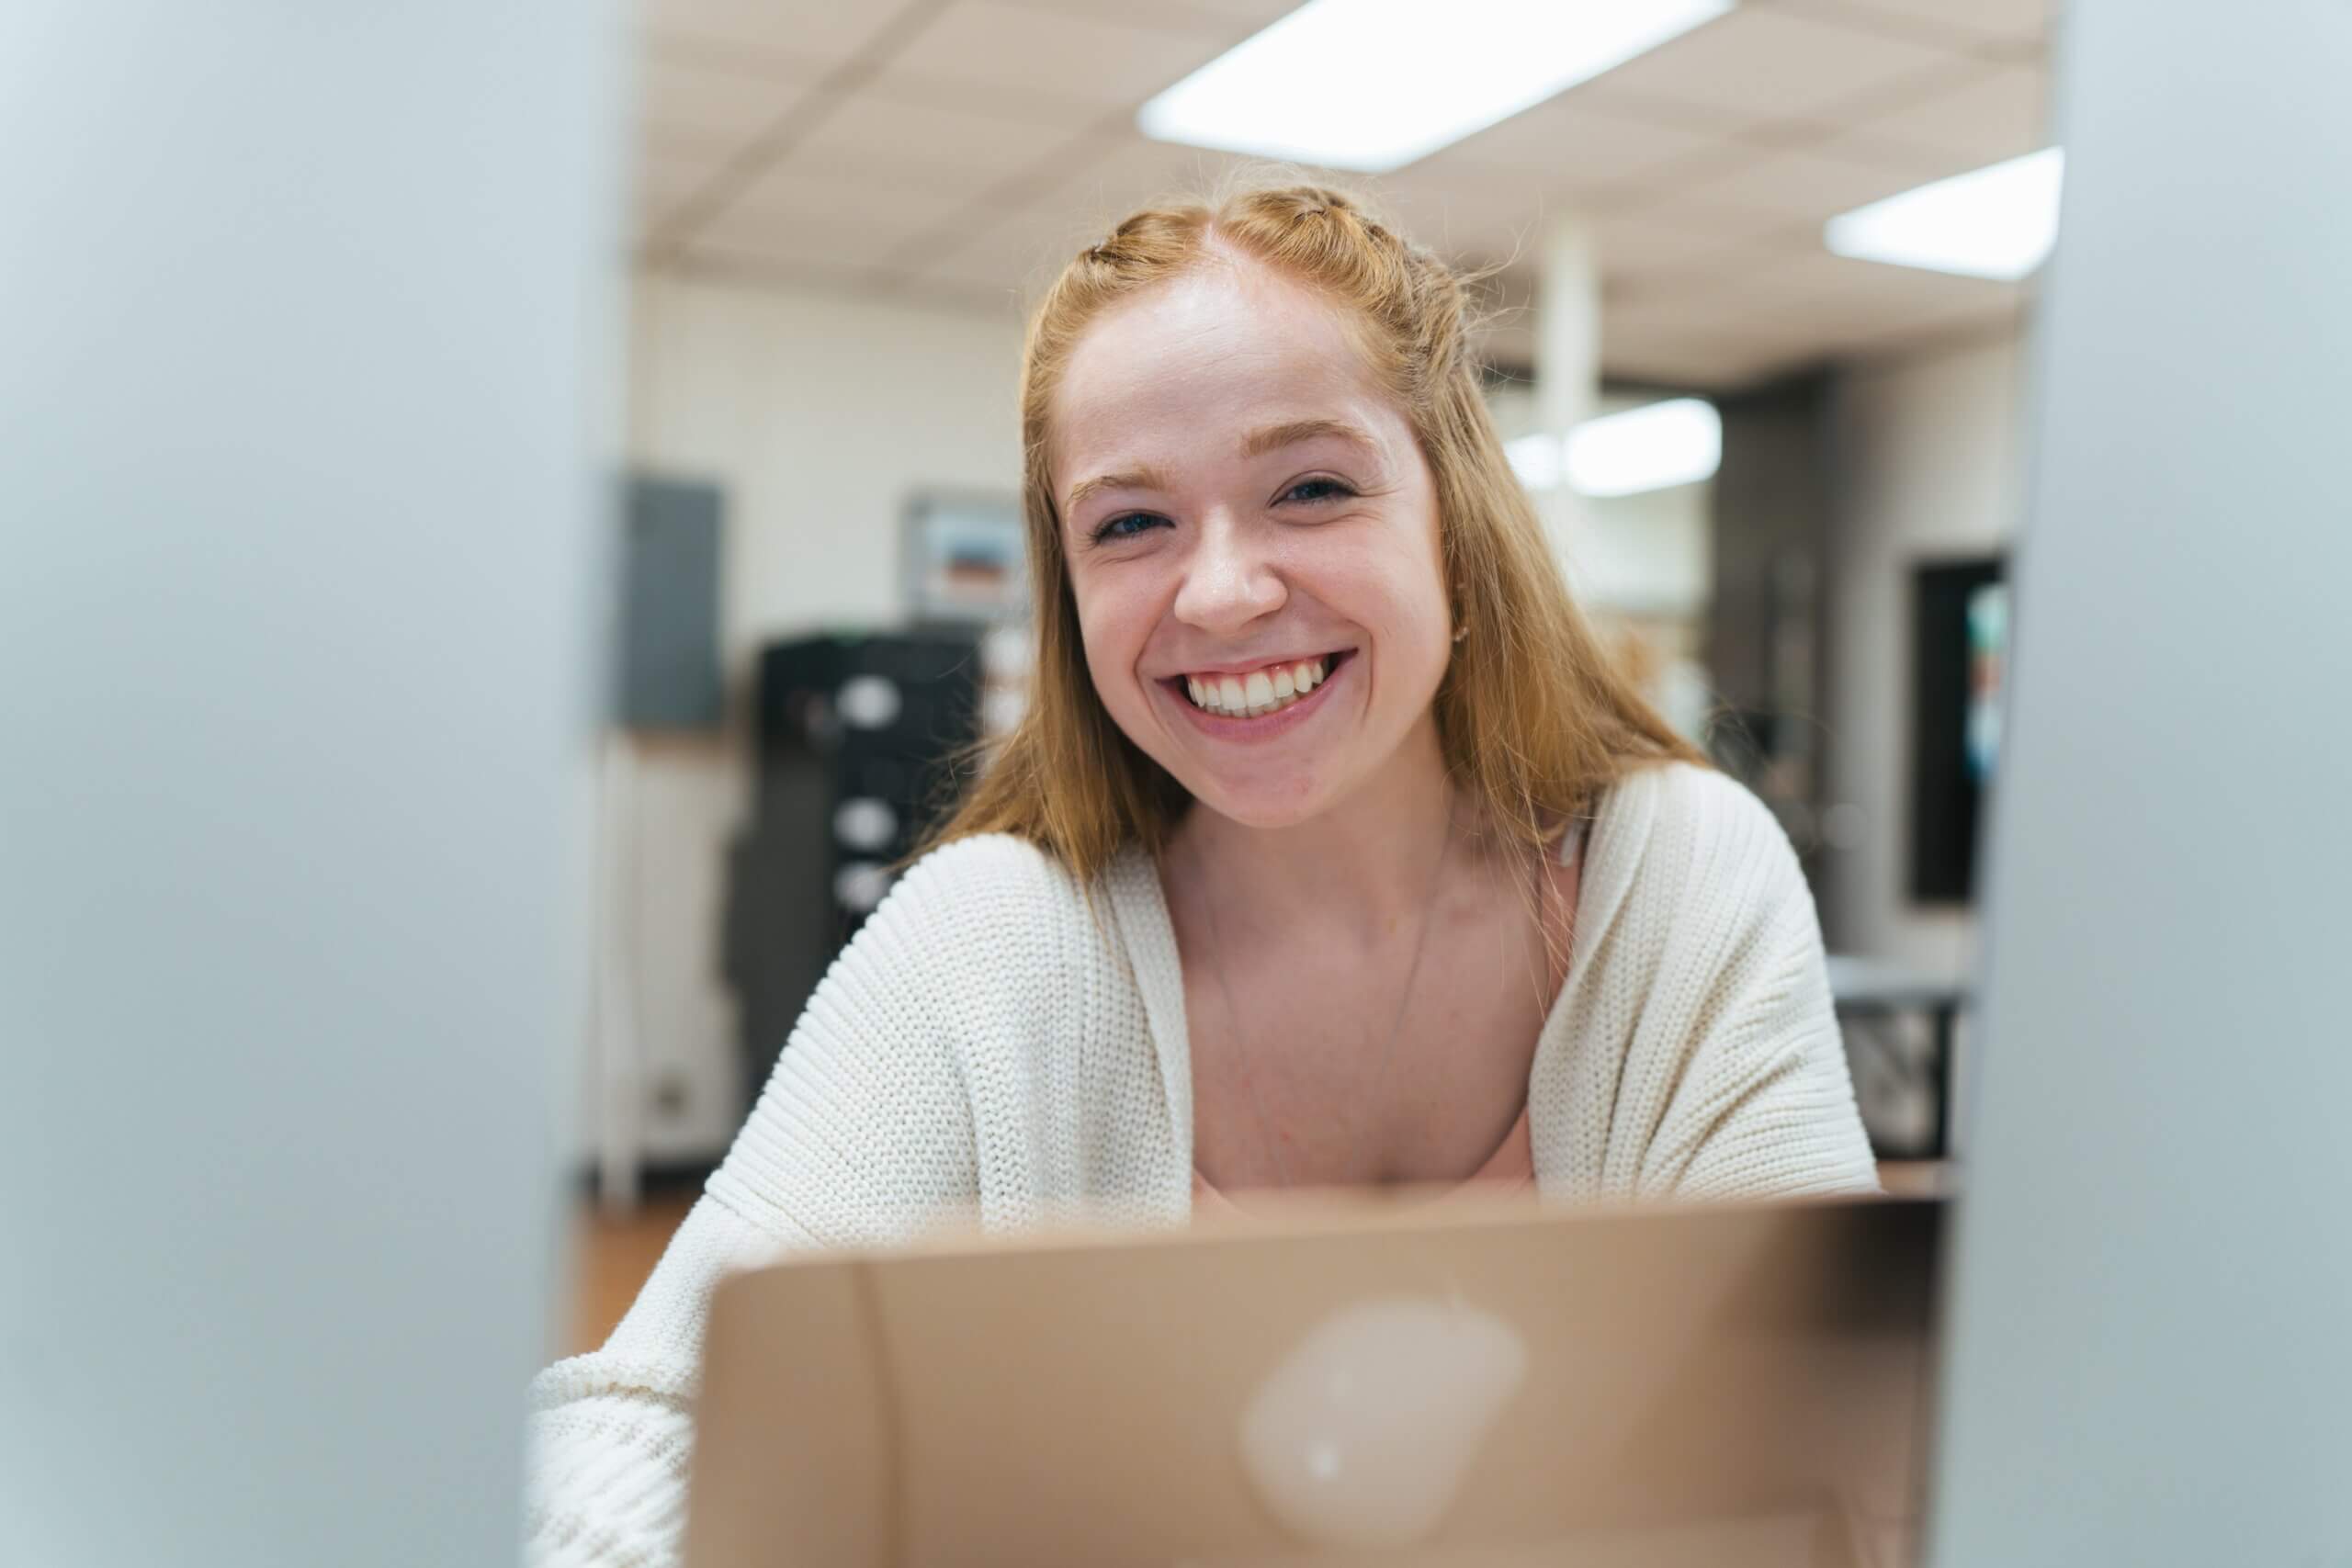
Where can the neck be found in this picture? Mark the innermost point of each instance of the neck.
(1366, 864)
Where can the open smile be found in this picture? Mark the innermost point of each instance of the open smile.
(1249, 703)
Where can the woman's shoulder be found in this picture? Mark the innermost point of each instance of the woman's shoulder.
(990, 876)
(1675, 818)
(991, 921)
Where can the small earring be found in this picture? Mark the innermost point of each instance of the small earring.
(1460, 632)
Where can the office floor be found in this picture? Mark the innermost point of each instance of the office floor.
(614, 1254)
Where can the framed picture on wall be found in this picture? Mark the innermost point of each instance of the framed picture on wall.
(964, 561)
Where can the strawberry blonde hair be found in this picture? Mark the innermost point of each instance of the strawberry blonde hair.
(1534, 720)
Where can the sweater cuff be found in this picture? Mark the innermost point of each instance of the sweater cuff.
(609, 1484)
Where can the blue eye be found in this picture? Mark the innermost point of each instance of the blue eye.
(1309, 490)
(1112, 529)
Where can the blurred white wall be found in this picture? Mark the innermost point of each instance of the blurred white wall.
(819, 415)
(1930, 469)
(306, 320)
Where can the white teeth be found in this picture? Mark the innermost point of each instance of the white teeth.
(1259, 691)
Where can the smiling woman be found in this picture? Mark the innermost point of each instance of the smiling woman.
(1254, 433)
(1330, 851)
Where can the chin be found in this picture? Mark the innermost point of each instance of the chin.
(1262, 805)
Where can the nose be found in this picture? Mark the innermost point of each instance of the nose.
(1228, 582)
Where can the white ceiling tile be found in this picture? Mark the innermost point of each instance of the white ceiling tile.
(717, 261)
(830, 220)
(679, 102)
(1469, 223)
(652, 197)
(1561, 145)
(1821, 272)
(978, 95)
(1839, 299)
(1668, 241)
(1234, 18)
(1918, 332)
(1698, 285)
(1248, 14)
(1760, 64)
(1463, 219)
(2009, 21)
(951, 152)
(1019, 256)
(1704, 167)
(1466, 222)
(1704, 362)
(2003, 113)
(1808, 186)
(1133, 172)
(1076, 58)
(1826, 300)
(825, 33)
(742, 59)
(665, 176)
(892, 282)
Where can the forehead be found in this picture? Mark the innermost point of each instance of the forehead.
(1187, 366)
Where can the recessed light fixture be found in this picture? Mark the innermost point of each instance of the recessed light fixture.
(1655, 446)
(1998, 222)
(1373, 85)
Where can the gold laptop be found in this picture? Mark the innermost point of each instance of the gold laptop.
(1465, 1387)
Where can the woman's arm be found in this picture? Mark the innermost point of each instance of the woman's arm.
(1746, 1062)
(863, 1134)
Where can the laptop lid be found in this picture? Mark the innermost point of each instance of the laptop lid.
(1487, 1386)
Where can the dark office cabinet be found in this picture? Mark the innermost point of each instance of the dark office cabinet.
(853, 761)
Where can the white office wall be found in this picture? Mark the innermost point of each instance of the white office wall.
(1928, 469)
(302, 317)
(819, 415)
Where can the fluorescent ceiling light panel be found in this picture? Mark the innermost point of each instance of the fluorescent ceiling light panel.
(1998, 221)
(1655, 446)
(1535, 460)
(1373, 85)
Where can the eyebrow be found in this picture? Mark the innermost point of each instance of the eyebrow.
(1134, 479)
(1257, 443)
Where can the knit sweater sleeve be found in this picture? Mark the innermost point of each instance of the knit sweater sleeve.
(863, 1134)
(1754, 1100)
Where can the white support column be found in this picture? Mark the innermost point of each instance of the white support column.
(1567, 356)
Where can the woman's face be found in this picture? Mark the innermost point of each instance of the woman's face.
(1252, 539)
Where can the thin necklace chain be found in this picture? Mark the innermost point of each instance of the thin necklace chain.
(1395, 1026)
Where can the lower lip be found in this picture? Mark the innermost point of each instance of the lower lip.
(1267, 727)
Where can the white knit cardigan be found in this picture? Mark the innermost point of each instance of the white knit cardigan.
(986, 1039)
